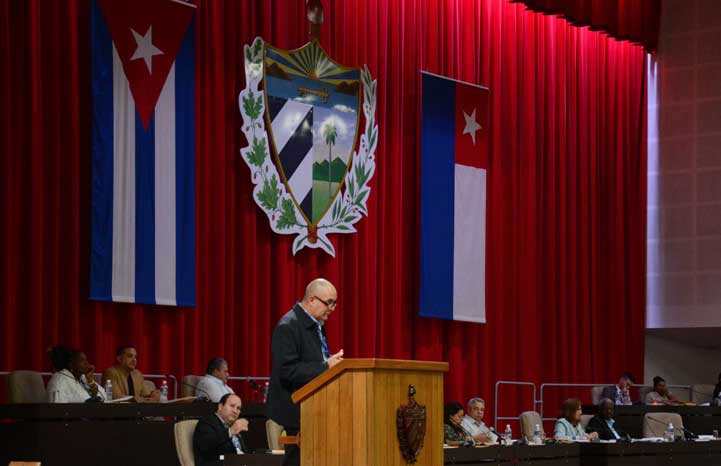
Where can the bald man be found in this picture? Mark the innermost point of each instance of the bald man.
(300, 353)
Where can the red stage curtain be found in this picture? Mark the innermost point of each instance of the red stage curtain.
(634, 20)
(566, 250)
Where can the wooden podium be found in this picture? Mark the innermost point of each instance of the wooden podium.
(348, 413)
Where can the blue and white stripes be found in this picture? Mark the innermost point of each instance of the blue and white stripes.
(143, 218)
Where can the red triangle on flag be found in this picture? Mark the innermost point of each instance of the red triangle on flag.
(147, 35)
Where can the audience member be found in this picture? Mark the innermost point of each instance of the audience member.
(126, 379)
(660, 394)
(604, 424)
(453, 433)
(568, 426)
(620, 393)
(716, 399)
(73, 382)
(220, 433)
(214, 383)
(473, 422)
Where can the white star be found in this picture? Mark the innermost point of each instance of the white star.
(146, 50)
(471, 125)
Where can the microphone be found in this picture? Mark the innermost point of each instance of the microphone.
(205, 397)
(467, 434)
(501, 440)
(690, 434)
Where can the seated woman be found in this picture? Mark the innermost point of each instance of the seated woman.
(568, 426)
(453, 433)
(73, 382)
(660, 394)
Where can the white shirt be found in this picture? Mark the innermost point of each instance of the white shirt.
(68, 389)
(477, 427)
(212, 387)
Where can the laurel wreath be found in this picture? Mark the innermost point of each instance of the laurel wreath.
(269, 192)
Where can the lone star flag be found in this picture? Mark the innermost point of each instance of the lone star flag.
(143, 214)
(454, 163)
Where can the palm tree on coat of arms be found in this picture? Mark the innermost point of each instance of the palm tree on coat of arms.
(329, 133)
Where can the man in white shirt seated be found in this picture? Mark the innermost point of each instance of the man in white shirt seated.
(473, 422)
(214, 383)
(73, 382)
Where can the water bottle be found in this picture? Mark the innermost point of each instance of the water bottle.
(164, 392)
(537, 435)
(108, 390)
(508, 434)
(670, 433)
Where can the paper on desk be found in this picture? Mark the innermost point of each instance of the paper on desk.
(649, 439)
(122, 399)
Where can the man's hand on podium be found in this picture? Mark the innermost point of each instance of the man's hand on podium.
(335, 359)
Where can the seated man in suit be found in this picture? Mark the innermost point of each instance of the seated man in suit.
(126, 379)
(604, 424)
(220, 433)
(214, 383)
(620, 393)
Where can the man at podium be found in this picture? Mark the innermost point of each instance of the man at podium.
(300, 353)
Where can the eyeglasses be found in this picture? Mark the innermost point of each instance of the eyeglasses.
(330, 304)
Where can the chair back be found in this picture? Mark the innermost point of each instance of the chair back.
(26, 387)
(528, 420)
(585, 419)
(273, 431)
(24, 463)
(702, 393)
(596, 393)
(149, 386)
(642, 392)
(184, 431)
(655, 424)
(190, 381)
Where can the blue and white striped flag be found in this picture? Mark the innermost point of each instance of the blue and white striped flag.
(143, 214)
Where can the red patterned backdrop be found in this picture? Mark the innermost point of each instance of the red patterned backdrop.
(566, 248)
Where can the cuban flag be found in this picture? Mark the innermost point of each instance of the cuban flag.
(454, 166)
(143, 211)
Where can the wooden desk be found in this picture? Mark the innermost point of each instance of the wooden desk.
(651, 454)
(95, 434)
(543, 455)
(698, 419)
(253, 460)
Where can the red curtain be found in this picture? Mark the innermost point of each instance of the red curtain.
(634, 20)
(566, 250)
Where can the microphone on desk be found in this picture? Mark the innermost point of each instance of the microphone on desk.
(690, 434)
(501, 440)
(204, 397)
(467, 443)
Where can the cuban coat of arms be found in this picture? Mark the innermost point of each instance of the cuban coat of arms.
(309, 153)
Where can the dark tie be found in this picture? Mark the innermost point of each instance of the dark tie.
(131, 388)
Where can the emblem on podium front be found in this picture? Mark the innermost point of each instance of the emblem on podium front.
(311, 131)
(411, 427)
